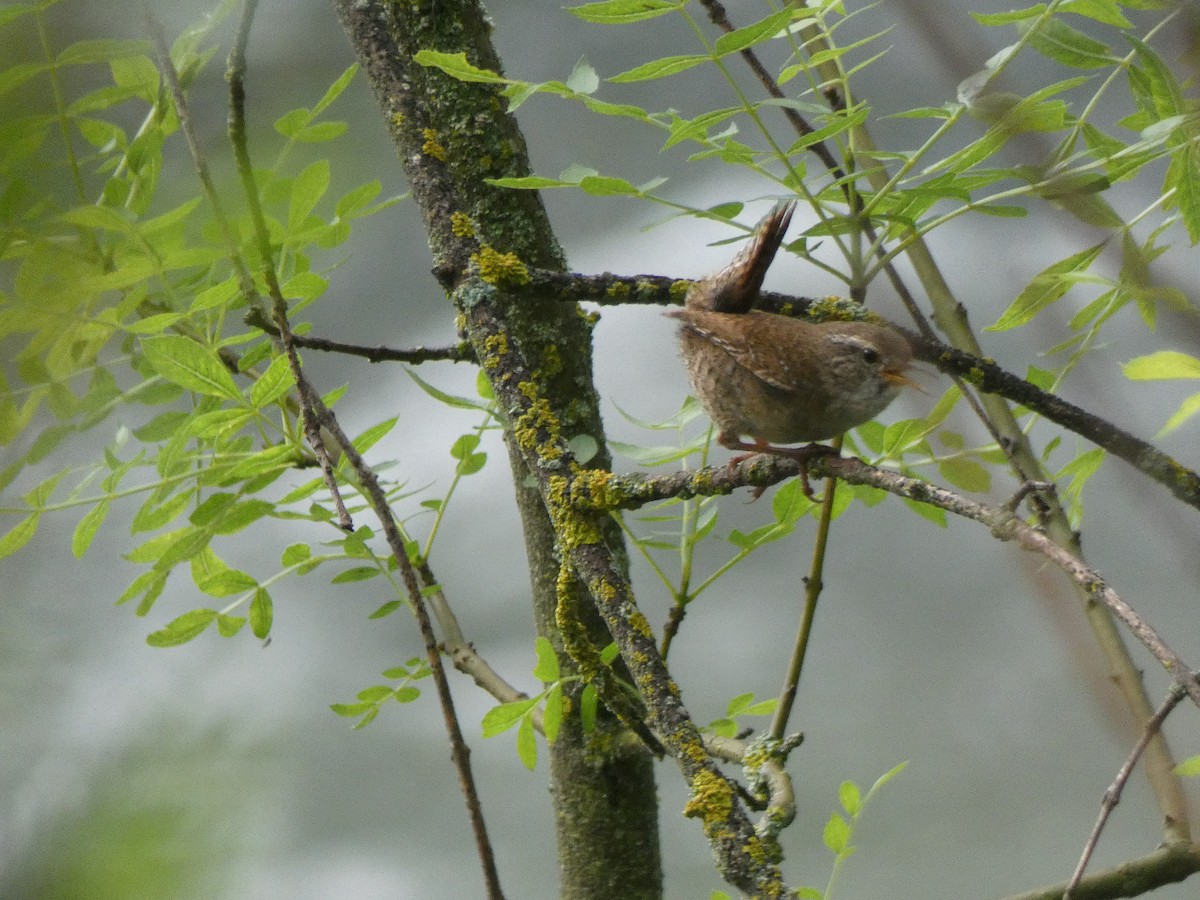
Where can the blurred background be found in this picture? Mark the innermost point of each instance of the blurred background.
(217, 769)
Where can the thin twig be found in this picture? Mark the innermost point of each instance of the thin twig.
(461, 352)
(1112, 796)
(317, 415)
(163, 54)
(236, 75)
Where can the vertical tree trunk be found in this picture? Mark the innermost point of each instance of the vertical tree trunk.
(451, 136)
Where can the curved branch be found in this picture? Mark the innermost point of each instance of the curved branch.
(1166, 865)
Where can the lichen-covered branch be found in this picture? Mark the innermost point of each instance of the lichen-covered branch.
(603, 490)
(746, 859)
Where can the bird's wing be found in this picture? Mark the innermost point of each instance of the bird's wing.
(755, 349)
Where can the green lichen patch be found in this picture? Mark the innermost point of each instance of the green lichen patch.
(461, 225)
(711, 800)
(432, 147)
(841, 309)
(500, 268)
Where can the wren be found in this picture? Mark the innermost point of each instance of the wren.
(778, 380)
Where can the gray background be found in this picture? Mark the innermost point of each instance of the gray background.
(963, 656)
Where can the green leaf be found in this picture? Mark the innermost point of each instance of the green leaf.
(464, 446)
(226, 583)
(837, 834)
(1183, 174)
(272, 459)
(295, 554)
(358, 573)
(41, 494)
(1047, 286)
(934, 514)
(748, 36)
(336, 89)
(190, 365)
(307, 190)
(87, 528)
(888, 776)
(456, 66)
(659, 68)
(547, 668)
(1186, 410)
(354, 201)
(150, 585)
(622, 12)
(1165, 364)
(262, 613)
(183, 629)
(1057, 40)
(220, 424)
(608, 186)
(588, 701)
(216, 296)
(274, 383)
(583, 78)
(1007, 18)
(530, 182)
(19, 535)
(503, 717)
(442, 396)
(228, 626)
(552, 713)
(584, 447)
(100, 51)
(1106, 11)
(527, 744)
(850, 797)
(1190, 767)
(374, 434)
(966, 474)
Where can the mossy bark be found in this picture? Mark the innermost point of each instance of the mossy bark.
(452, 135)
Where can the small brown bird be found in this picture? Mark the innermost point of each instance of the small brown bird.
(775, 379)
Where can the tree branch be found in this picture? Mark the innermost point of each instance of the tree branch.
(460, 352)
(603, 490)
(1112, 796)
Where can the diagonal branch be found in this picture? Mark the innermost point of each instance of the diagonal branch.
(608, 491)
(317, 416)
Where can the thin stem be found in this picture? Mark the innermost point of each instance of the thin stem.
(1112, 796)
(813, 585)
(316, 415)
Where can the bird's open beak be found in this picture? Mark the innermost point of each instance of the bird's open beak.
(899, 379)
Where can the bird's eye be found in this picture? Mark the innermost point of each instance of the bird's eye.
(871, 355)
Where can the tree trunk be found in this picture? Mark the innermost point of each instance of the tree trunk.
(451, 136)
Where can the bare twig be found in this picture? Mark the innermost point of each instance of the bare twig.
(1112, 796)
(461, 352)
